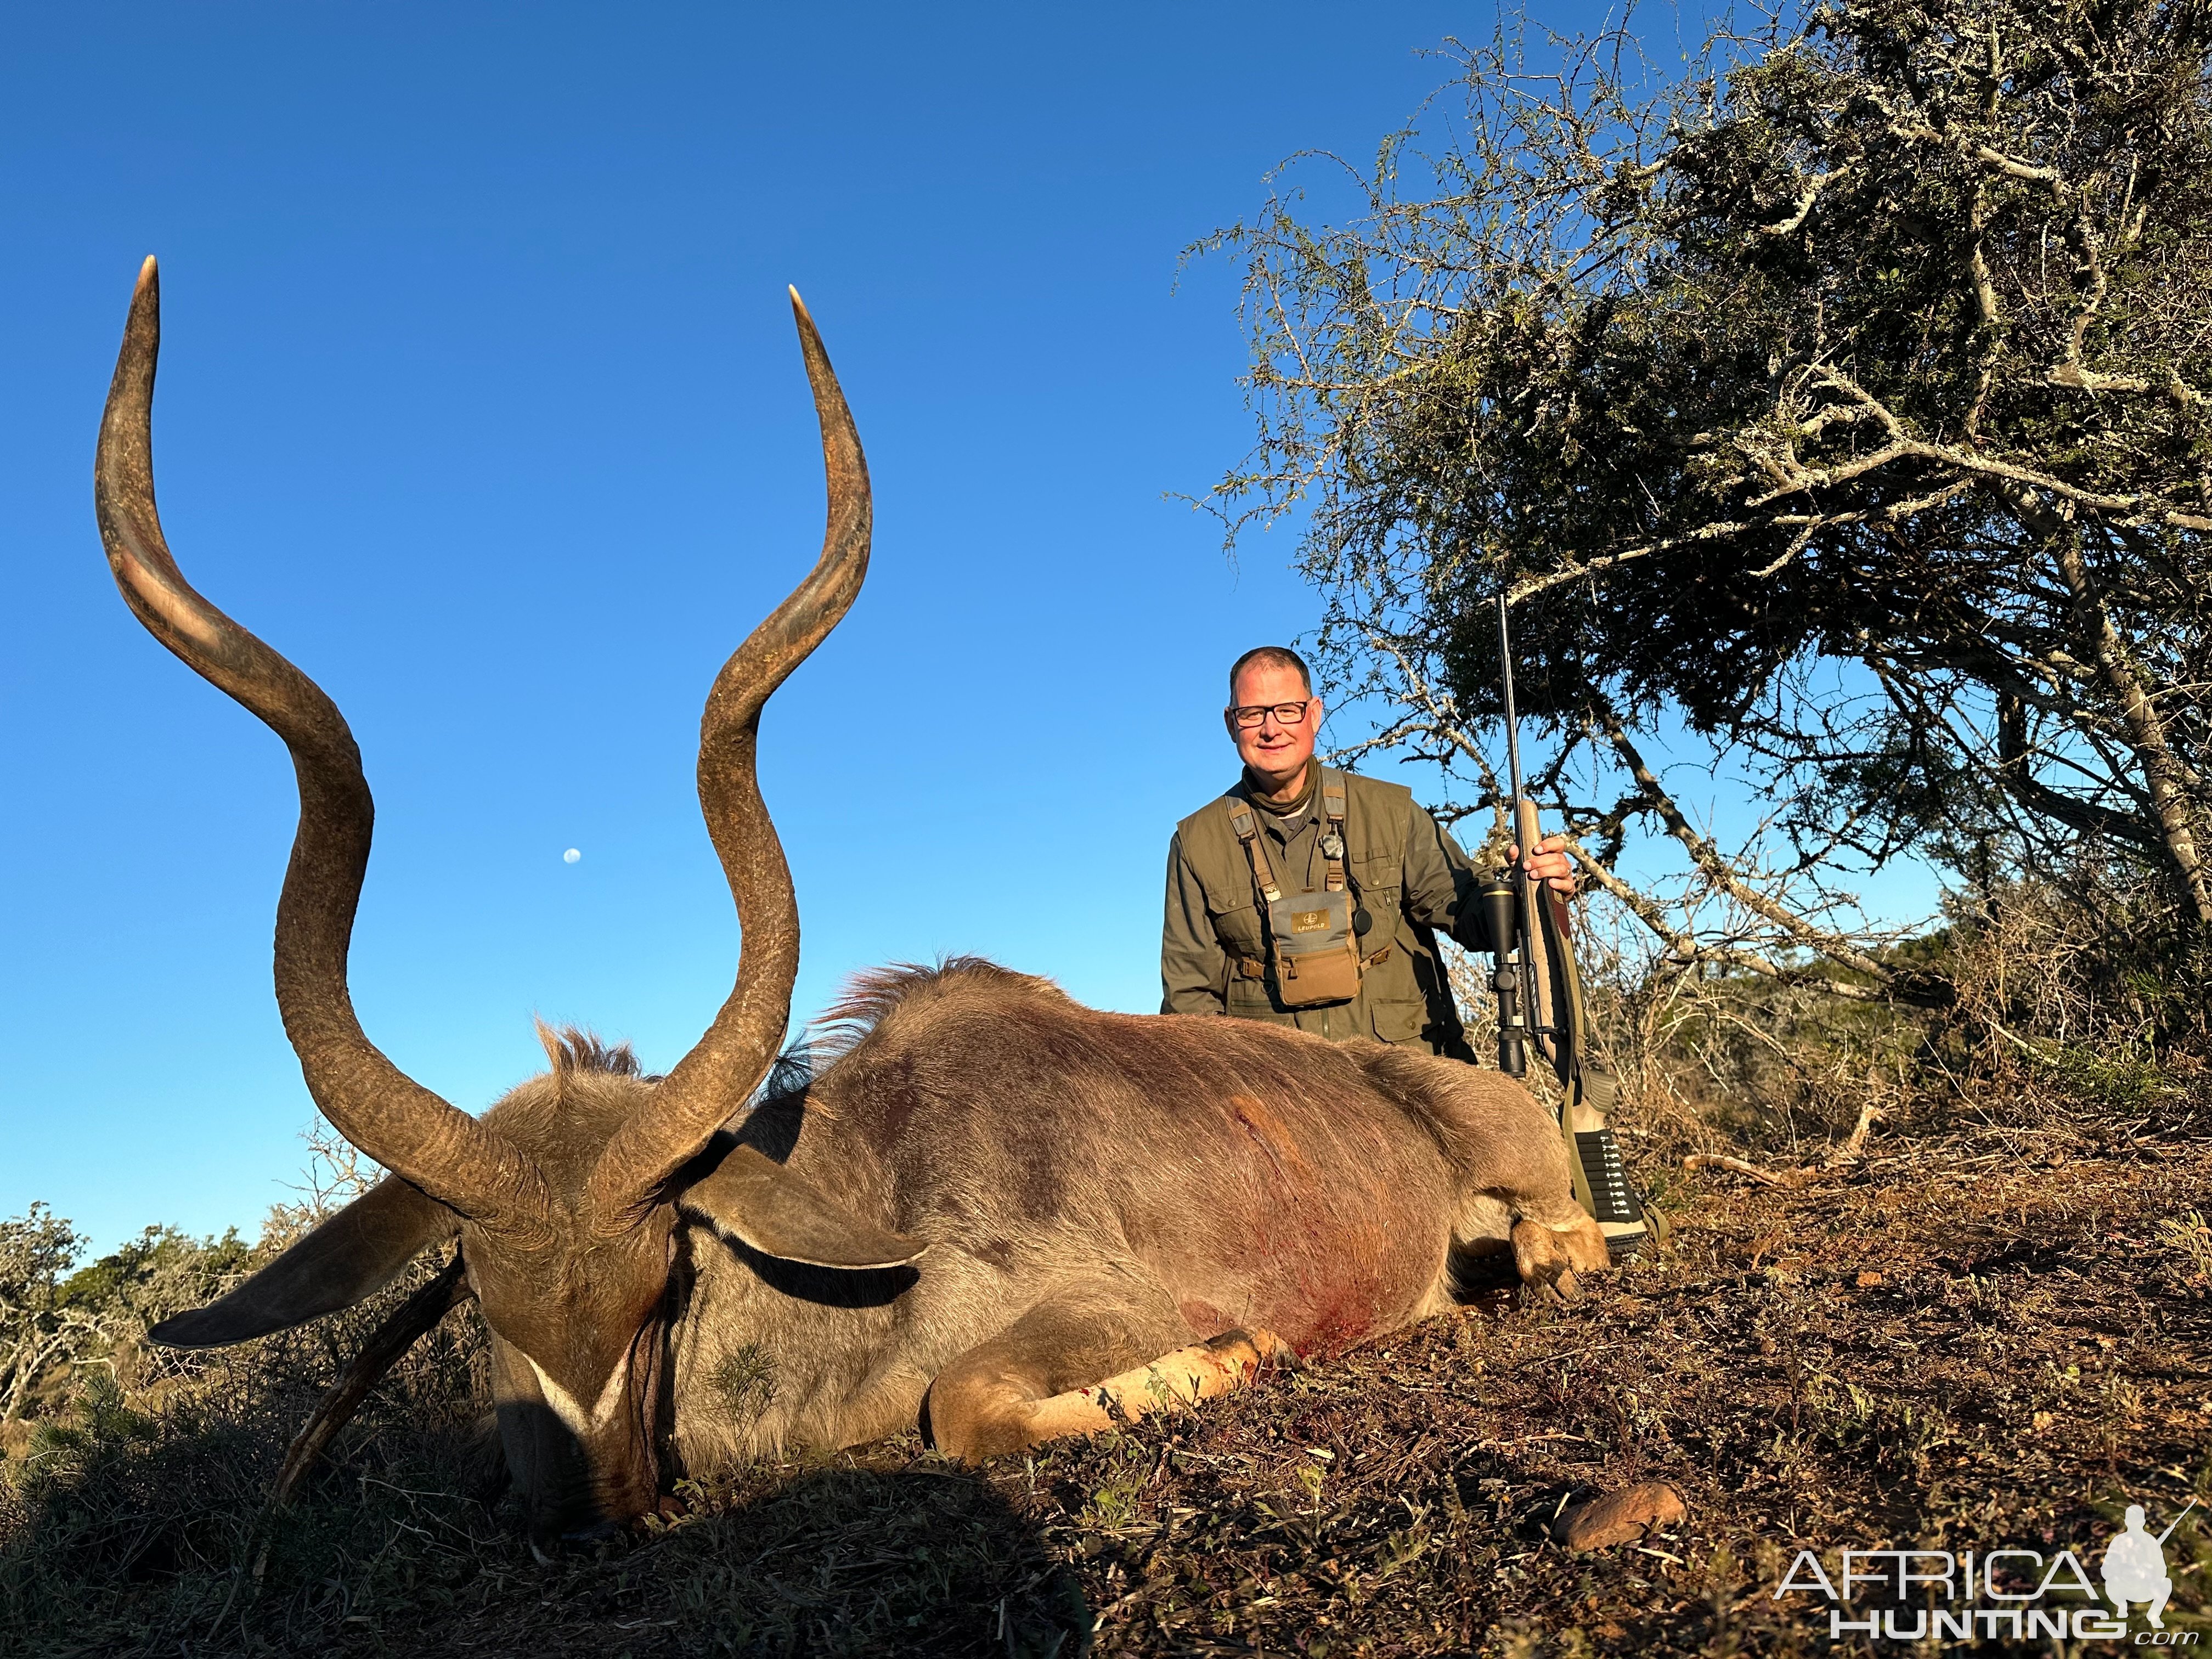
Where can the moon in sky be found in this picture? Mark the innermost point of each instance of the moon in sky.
(570, 856)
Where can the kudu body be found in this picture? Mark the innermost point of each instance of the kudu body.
(988, 1207)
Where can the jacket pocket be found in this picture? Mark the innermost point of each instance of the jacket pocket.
(1249, 999)
(1238, 930)
(1381, 902)
(1396, 1019)
(1377, 866)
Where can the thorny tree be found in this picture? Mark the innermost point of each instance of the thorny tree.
(54, 1316)
(38, 1322)
(1842, 403)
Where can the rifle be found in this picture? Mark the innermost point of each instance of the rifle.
(2176, 1521)
(1539, 1001)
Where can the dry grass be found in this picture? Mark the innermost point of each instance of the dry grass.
(1977, 1336)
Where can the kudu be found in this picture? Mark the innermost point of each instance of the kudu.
(985, 1214)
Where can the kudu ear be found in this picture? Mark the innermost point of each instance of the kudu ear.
(358, 1250)
(762, 1205)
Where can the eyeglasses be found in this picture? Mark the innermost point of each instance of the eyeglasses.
(1285, 714)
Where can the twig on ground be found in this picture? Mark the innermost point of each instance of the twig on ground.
(1771, 1177)
(1855, 1143)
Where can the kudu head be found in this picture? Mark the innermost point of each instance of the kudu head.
(565, 1196)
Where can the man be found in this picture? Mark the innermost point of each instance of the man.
(1407, 879)
(2135, 1568)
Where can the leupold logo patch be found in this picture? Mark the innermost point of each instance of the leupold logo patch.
(1309, 921)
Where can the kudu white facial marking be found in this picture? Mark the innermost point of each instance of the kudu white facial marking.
(565, 1405)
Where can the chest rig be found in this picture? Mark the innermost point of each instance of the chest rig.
(1314, 945)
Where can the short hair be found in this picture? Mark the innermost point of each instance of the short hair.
(1270, 656)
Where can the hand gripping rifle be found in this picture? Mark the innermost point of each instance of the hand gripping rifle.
(1539, 1001)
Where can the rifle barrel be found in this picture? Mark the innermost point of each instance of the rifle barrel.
(1526, 893)
(1505, 680)
(2176, 1521)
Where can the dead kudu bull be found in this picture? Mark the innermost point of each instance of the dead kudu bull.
(988, 1213)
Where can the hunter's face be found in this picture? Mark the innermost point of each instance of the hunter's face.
(1275, 749)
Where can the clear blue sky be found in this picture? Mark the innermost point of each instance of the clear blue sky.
(479, 399)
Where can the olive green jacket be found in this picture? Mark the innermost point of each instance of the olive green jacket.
(1408, 874)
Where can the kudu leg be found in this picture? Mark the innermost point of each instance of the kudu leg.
(1517, 1185)
(1079, 1363)
(1551, 1249)
(1201, 1371)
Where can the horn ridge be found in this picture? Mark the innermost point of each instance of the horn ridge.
(414, 1132)
(736, 1050)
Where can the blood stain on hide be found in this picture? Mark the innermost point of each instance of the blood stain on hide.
(1329, 1259)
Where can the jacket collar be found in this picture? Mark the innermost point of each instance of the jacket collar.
(1288, 820)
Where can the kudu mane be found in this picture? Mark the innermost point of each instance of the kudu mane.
(875, 996)
(573, 1048)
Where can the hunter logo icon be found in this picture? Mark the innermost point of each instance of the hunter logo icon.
(2135, 1567)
